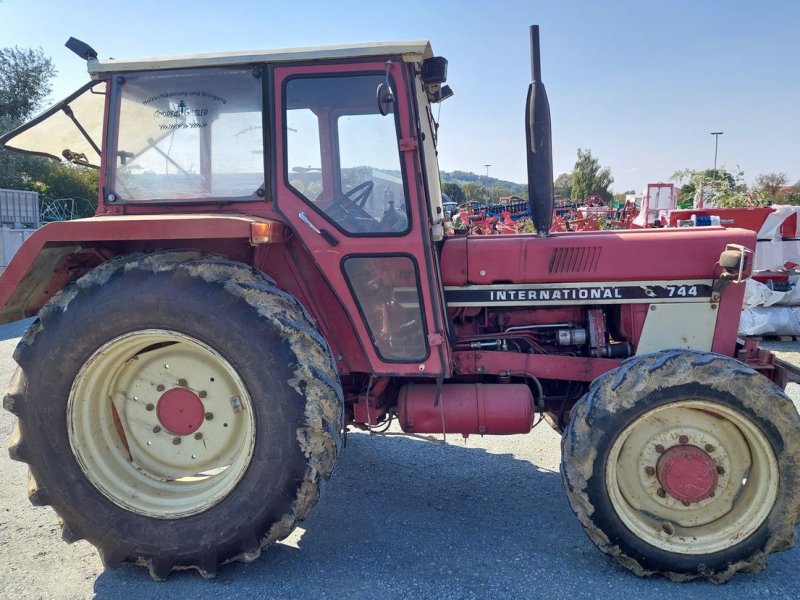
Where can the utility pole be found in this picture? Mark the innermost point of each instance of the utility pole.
(716, 135)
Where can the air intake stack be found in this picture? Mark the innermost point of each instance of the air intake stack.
(539, 145)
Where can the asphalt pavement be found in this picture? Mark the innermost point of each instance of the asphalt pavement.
(401, 518)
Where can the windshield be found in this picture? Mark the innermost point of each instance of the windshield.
(188, 135)
(70, 131)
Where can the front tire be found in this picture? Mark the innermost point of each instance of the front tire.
(685, 464)
(176, 411)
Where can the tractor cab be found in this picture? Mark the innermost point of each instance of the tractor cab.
(335, 146)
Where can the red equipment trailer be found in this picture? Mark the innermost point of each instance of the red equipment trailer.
(267, 266)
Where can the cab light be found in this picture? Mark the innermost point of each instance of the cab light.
(260, 232)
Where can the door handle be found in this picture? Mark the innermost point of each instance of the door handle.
(326, 235)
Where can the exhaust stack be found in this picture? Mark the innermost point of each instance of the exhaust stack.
(539, 145)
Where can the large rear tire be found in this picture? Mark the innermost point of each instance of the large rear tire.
(176, 411)
(685, 464)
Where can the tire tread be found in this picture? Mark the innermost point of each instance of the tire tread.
(618, 391)
(258, 290)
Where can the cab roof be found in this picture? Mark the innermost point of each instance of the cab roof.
(409, 51)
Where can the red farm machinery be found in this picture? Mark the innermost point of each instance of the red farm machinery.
(268, 267)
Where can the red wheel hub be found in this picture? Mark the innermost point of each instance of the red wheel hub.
(180, 411)
(687, 473)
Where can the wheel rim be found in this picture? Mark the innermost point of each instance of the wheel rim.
(160, 423)
(692, 477)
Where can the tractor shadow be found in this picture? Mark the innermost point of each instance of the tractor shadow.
(413, 519)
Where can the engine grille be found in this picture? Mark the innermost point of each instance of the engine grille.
(574, 260)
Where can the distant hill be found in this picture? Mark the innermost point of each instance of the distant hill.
(462, 177)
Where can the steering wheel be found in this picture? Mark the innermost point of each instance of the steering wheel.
(350, 205)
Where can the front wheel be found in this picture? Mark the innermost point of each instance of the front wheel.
(177, 411)
(685, 464)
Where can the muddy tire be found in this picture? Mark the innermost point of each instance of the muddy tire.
(176, 411)
(685, 464)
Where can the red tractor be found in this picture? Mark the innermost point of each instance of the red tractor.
(267, 267)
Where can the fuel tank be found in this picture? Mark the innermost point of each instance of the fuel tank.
(465, 408)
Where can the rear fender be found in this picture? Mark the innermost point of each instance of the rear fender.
(62, 251)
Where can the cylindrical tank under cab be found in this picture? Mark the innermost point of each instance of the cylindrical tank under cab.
(466, 408)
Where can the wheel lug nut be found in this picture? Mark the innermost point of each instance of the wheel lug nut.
(684, 439)
(202, 394)
(709, 448)
(198, 436)
(159, 388)
(182, 383)
(176, 441)
(685, 503)
(156, 429)
(659, 448)
(661, 493)
(149, 406)
(209, 416)
(721, 470)
(650, 470)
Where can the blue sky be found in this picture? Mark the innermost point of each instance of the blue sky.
(640, 83)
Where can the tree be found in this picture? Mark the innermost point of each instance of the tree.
(454, 192)
(726, 190)
(562, 186)
(25, 76)
(689, 180)
(590, 179)
(474, 191)
(771, 182)
(769, 185)
(502, 192)
(790, 195)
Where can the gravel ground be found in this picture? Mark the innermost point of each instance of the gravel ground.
(401, 518)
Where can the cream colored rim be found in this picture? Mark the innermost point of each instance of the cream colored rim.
(124, 448)
(746, 488)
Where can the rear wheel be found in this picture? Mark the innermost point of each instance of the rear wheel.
(685, 464)
(189, 413)
(183, 444)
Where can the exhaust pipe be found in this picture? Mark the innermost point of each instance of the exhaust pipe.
(539, 145)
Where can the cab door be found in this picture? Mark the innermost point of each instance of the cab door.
(348, 181)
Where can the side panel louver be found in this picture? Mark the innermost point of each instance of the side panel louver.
(574, 260)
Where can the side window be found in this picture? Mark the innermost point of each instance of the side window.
(387, 293)
(342, 155)
(188, 135)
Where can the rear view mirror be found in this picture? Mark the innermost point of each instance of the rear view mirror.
(385, 98)
(385, 93)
